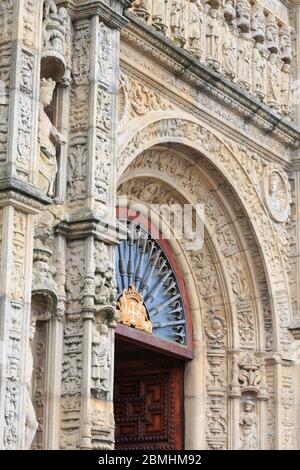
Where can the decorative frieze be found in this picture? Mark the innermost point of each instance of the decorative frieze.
(71, 385)
(212, 33)
(216, 414)
(13, 375)
(18, 269)
(287, 398)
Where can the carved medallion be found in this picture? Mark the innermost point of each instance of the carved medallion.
(215, 329)
(132, 311)
(277, 195)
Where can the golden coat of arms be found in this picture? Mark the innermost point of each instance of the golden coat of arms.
(132, 311)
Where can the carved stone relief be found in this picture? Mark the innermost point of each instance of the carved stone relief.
(54, 29)
(71, 385)
(248, 424)
(30, 10)
(13, 371)
(202, 138)
(181, 89)
(6, 21)
(18, 269)
(49, 138)
(277, 194)
(210, 32)
(184, 175)
(100, 361)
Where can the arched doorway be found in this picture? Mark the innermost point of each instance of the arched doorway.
(228, 290)
(153, 341)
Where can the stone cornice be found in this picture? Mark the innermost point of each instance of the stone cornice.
(182, 64)
(70, 5)
(22, 193)
(78, 227)
(112, 14)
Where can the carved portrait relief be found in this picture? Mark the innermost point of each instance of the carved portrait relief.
(277, 195)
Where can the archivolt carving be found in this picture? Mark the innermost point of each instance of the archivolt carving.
(209, 288)
(136, 99)
(195, 135)
(220, 230)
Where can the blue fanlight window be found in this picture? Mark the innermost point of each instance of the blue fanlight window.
(141, 262)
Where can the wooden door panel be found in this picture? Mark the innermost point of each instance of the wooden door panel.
(149, 405)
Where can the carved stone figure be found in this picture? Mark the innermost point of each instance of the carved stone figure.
(213, 35)
(71, 374)
(158, 15)
(273, 90)
(100, 360)
(258, 23)
(243, 15)
(229, 56)
(244, 62)
(31, 423)
(285, 41)
(42, 280)
(229, 10)
(272, 39)
(195, 28)
(49, 8)
(142, 8)
(177, 22)
(286, 91)
(105, 286)
(248, 423)
(259, 69)
(49, 138)
(54, 30)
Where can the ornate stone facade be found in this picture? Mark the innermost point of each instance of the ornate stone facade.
(164, 102)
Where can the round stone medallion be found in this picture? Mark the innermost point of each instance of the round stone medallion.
(277, 195)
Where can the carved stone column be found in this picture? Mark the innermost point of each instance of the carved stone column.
(87, 372)
(20, 199)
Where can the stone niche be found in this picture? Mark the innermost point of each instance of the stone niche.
(43, 306)
(55, 73)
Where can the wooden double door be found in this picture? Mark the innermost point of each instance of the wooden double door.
(148, 402)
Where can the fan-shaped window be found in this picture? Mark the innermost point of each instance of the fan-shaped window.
(148, 289)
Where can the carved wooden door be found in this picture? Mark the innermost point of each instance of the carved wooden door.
(149, 405)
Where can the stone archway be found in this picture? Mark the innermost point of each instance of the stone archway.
(169, 127)
(136, 162)
(221, 298)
